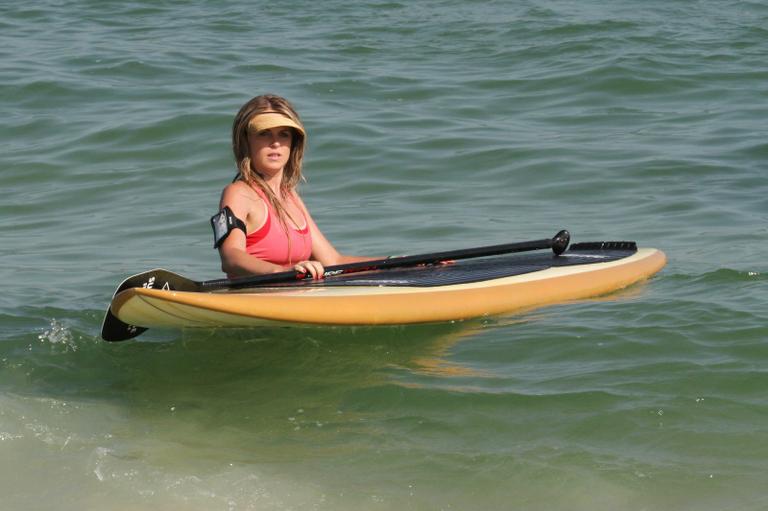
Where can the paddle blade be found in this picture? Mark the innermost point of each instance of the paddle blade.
(113, 329)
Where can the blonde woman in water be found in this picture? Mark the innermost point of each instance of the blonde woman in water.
(263, 225)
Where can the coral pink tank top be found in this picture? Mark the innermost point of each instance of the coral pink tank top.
(270, 242)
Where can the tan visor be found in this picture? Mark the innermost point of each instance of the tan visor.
(269, 120)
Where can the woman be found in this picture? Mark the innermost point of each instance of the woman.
(263, 225)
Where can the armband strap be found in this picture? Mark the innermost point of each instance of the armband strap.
(223, 222)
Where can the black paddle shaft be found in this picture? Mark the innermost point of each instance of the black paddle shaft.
(558, 244)
(114, 329)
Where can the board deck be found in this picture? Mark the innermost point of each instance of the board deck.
(463, 290)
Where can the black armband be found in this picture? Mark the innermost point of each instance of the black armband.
(223, 222)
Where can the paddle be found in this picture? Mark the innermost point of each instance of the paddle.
(115, 330)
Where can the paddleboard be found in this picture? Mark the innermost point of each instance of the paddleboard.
(462, 290)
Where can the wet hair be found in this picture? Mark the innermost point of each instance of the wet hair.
(291, 173)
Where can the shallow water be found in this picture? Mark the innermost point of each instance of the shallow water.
(433, 126)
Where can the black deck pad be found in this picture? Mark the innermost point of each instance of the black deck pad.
(476, 270)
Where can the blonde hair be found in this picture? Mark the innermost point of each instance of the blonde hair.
(291, 173)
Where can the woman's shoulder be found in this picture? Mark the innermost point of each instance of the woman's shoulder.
(243, 200)
(238, 191)
(238, 186)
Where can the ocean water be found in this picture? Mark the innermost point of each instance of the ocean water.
(432, 126)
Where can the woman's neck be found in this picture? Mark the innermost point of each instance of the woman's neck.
(274, 182)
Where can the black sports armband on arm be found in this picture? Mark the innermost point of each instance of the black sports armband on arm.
(223, 222)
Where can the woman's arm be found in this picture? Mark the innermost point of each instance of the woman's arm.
(235, 261)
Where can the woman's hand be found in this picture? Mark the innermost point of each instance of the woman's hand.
(314, 268)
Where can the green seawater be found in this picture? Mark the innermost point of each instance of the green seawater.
(432, 125)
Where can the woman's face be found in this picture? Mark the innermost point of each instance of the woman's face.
(270, 149)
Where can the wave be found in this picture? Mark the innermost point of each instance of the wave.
(721, 276)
